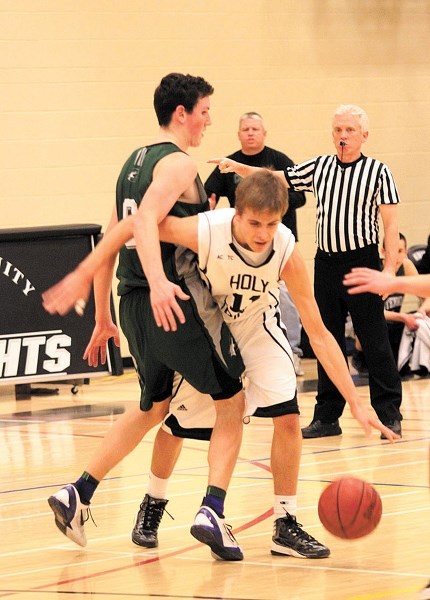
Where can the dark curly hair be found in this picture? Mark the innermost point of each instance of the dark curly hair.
(175, 90)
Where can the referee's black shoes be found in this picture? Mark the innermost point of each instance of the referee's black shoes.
(318, 429)
(395, 427)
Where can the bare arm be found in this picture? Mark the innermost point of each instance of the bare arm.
(76, 287)
(174, 175)
(99, 264)
(105, 328)
(181, 231)
(391, 236)
(408, 319)
(227, 165)
(104, 272)
(409, 267)
(361, 280)
(324, 344)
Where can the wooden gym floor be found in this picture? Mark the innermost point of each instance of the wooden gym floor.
(45, 443)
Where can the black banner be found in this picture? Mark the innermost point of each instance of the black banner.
(36, 346)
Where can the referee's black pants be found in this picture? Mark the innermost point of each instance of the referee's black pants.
(367, 314)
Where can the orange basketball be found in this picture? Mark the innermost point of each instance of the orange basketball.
(350, 508)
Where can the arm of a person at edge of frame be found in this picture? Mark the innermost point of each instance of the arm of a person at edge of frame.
(228, 165)
(174, 176)
(102, 264)
(361, 280)
(423, 303)
(325, 346)
(75, 286)
(410, 320)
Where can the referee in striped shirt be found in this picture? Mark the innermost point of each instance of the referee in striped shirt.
(351, 190)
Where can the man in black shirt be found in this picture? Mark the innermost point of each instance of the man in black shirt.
(253, 152)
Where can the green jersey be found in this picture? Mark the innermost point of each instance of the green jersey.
(133, 181)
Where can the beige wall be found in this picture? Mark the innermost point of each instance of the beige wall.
(77, 78)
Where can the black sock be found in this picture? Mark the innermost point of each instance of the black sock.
(86, 486)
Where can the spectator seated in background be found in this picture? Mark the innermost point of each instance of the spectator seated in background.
(401, 325)
(424, 264)
(414, 349)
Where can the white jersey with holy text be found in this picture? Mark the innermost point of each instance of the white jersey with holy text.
(240, 287)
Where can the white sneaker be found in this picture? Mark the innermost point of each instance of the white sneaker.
(298, 365)
(70, 514)
(212, 530)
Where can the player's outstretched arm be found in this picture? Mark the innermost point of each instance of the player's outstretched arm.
(362, 279)
(73, 290)
(325, 346)
(182, 231)
(228, 165)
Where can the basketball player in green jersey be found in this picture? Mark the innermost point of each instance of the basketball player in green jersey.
(157, 286)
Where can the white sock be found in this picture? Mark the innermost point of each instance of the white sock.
(283, 505)
(157, 488)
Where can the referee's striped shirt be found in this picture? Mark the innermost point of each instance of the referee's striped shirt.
(348, 196)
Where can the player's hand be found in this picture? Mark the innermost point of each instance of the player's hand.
(367, 421)
(96, 350)
(164, 305)
(212, 201)
(362, 279)
(412, 321)
(72, 291)
(225, 165)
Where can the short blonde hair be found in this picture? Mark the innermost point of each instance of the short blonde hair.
(263, 191)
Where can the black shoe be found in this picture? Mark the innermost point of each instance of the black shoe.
(289, 538)
(395, 427)
(147, 522)
(318, 429)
